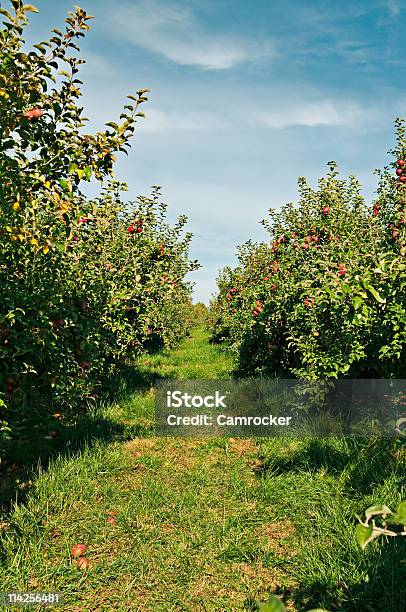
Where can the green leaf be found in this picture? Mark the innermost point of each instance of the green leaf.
(376, 511)
(400, 517)
(357, 302)
(374, 292)
(88, 173)
(363, 535)
(7, 144)
(64, 184)
(30, 8)
(273, 604)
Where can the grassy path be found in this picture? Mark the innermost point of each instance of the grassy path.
(202, 524)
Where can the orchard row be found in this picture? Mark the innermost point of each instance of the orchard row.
(326, 296)
(85, 283)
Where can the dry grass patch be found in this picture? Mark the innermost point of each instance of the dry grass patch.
(243, 447)
(274, 535)
(177, 454)
(250, 582)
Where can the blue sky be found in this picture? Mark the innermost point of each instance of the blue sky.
(246, 95)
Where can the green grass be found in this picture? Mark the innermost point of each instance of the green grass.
(211, 524)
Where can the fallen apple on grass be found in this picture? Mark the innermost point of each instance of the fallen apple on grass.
(77, 550)
(83, 563)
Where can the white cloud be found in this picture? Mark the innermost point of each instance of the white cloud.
(393, 8)
(174, 32)
(314, 114)
(355, 51)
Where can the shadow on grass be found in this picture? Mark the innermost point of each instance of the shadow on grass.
(39, 436)
(128, 380)
(315, 455)
(384, 587)
(366, 464)
(383, 590)
(361, 458)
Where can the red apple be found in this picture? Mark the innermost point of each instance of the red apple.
(83, 563)
(308, 302)
(33, 113)
(77, 550)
